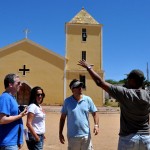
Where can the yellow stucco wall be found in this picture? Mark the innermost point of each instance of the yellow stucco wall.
(92, 90)
(93, 48)
(46, 69)
(75, 45)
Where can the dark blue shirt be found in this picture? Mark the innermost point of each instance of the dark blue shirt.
(11, 133)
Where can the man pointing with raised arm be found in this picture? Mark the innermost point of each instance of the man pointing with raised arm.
(134, 105)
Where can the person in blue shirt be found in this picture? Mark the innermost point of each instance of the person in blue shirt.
(134, 103)
(11, 125)
(77, 108)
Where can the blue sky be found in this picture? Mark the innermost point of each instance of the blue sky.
(126, 28)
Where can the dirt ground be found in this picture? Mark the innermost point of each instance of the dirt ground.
(107, 138)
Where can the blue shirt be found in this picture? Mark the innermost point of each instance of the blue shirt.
(11, 133)
(78, 115)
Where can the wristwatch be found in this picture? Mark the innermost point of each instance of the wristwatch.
(89, 67)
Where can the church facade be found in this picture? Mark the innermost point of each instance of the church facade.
(38, 66)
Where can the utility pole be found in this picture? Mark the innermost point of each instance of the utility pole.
(147, 72)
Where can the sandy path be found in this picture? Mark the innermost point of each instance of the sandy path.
(107, 138)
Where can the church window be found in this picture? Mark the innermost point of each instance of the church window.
(82, 79)
(84, 55)
(84, 34)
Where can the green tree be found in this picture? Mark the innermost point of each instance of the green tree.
(116, 82)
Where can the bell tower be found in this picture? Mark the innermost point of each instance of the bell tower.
(84, 41)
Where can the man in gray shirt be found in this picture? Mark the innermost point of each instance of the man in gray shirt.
(134, 105)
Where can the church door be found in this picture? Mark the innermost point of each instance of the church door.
(23, 94)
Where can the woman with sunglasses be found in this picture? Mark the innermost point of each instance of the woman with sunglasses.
(36, 120)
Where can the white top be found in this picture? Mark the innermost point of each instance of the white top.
(38, 122)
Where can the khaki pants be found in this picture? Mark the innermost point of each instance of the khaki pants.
(80, 143)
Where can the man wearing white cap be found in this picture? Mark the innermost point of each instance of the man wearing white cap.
(77, 108)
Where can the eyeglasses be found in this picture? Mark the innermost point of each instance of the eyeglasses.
(39, 94)
(18, 83)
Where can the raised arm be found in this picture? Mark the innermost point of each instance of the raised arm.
(29, 121)
(98, 80)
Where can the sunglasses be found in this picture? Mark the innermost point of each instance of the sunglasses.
(18, 83)
(39, 95)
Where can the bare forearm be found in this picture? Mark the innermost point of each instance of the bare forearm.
(30, 118)
(95, 76)
(96, 123)
(8, 119)
(30, 128)
(4, 119)
(98, 80)
(96, 118)
(61, 125)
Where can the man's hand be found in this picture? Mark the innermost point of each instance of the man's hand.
(24, 112)
(84, 64)
(20, 146)
(37, 138)
(61, 138)
(96, 130)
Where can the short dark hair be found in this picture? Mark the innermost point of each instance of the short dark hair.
(9, 78)
(138, 76)
(33, 95)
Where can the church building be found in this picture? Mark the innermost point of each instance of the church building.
(39, 66)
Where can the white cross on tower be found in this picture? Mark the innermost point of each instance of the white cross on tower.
(26, 31)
